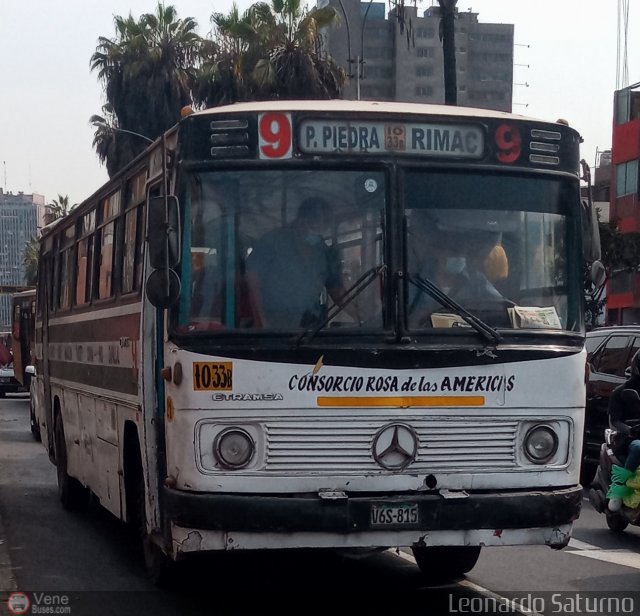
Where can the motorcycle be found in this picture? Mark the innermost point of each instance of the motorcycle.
(618, 520)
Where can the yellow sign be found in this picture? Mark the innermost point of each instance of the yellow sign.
(212, 376)
(400, 401)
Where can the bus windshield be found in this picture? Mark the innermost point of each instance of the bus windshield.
(272, 250)
(501, 246)
(275, 250)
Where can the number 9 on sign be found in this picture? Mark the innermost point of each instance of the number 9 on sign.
(275, 135)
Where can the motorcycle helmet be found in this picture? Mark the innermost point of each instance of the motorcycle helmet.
(635, 365)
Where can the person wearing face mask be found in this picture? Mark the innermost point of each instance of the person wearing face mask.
(291, 270)
(455, 261)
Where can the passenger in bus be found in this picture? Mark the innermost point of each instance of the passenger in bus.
(291, 270)
(463, 264)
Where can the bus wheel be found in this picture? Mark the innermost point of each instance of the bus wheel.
(446, 562)
(35, 428)
(73, 495)
(616, 522)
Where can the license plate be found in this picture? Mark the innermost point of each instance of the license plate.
(394, 515)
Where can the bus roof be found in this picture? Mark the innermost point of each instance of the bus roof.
(340, 105)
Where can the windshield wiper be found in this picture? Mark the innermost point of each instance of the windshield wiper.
(347, 297)
(430, 288)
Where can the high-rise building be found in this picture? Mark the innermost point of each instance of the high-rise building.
(402, 59)
(21, 216)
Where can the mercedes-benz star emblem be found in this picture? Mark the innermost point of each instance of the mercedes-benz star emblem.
(395, 446)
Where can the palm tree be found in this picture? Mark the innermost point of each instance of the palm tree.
(58, 208)
(224, 75)
(294, 65)
(271, 51)
(30, 261)
(112, 150)
(146, 70)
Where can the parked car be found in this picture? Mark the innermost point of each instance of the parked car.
(609, 352)
(8, 382)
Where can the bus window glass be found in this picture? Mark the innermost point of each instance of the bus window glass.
(66, 263)
(132, 251)
(135, 190)
(497, 245)
(133, 233)
(88, 223)
(140, 235)
(273, 250)
(84, 268)
(64, 269)
(106, 261)
(111, 206)
(129, 251)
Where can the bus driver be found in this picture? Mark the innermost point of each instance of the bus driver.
(457, 262)
(291, 269)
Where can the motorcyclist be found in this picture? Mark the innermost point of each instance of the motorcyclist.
(624, 417)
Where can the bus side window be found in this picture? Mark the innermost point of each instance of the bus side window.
(134, 223)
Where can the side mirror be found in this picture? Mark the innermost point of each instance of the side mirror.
(164, 232)
(30, 370)
(163, 288)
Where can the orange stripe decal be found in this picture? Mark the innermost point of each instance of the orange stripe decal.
(400, 401)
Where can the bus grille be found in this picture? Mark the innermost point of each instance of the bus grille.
(345, 447)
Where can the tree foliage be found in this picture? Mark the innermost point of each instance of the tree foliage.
(620, 254)
(620, 251)
(146, 71)
(58, 208)
(271, 51)
(157, 64)
(30, 258)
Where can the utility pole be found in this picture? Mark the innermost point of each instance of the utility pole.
(447, 33)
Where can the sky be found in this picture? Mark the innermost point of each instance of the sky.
(565, 59)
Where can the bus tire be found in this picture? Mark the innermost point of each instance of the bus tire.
(72, 494)
(157, 564)
(35, 428)
(445, 562)
(587, 473)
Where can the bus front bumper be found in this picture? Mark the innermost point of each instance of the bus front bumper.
(233, 521)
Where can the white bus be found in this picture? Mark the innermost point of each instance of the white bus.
(324, 324)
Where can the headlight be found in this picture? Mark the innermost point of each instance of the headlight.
(540, 444)
(233, 448)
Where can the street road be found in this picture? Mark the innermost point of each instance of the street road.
(88, 556)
